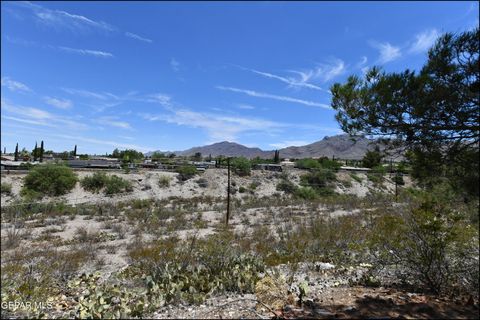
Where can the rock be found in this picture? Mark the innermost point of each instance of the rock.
(323, 313)
(323, 266)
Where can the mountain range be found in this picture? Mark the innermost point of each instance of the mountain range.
(341, 146)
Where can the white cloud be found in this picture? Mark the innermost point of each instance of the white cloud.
(289, 143)
(95, 53)
(113, 122)
(218, 127)
(246, 107)
(114, 144)
(137, 37)
(175, 65)
(13, 85)
(58, 103)
(275, 97)
(387, 51)
(63, 19)
(40, 117)
(162, 99)
(329, 71)
(292, 82)
(424, 40)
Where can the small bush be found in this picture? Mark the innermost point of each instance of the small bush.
(241, 166)
(115, 184)
(202, 183)
(398, 179)
(307, 164)
(186, 172)
(242, 189)
(95, 182)
(306, 193)
(6, 188)
(164, 181)
(50, 179)
(286, 186)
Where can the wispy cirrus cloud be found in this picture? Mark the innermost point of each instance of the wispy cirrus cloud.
(95, 53)
(77, 23)
(302, 82)
(253, 93)
(218, 127)
(423, 41)
(58, 103)
(113, 122)
(38, 116)
(15, 86)
(387, 51)
(175, 65)
(63, 19)
(137, 37)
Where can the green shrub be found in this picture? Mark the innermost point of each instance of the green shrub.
(398, 179)
(306, 193)
(6, 188)
(241, 166)
(318, 179)
(115, 184)
(95, 182)
(50, 179)
(432, 242)
(164, 181)
(286, 186)
(186, 172)
(307, 163)
(326, 163)
(242, 189)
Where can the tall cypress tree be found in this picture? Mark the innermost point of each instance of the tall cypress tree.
(35, 152)
(75, 151)
(41, 151)
(16, 152)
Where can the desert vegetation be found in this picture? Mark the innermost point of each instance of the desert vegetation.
(311, 241)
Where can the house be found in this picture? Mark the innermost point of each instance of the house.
(268, 167)
(287, 163)
(100, 164)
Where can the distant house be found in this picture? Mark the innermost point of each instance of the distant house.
(287, 163)
(268, 167)
(100, 164)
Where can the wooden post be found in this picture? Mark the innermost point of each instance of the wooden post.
(228, 191)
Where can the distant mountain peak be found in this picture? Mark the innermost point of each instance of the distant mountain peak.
(341, 146)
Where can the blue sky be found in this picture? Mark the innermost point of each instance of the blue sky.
(170, 76)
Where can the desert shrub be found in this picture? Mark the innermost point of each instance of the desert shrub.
(115, 184)
(286, 186)
(307, 193)
(376, 174)
(95, 182)
(398, 179)
(326, 163)
(202, 183)
(318, 178)
(164, 181)
(242, 189)
(186, 172)
(241, 166)
(49, 179)
(6, 188)
(432, 241)
(307, 164)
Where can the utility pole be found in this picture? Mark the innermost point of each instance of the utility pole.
(228, 191)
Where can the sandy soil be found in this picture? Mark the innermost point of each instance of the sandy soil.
(145, 186)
